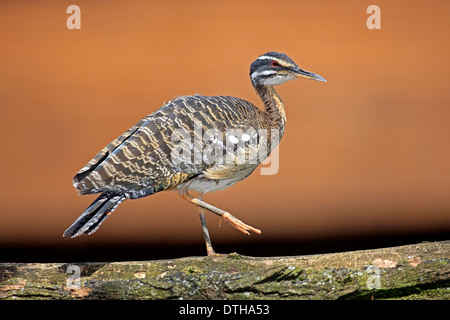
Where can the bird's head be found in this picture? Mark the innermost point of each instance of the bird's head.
(275, 68)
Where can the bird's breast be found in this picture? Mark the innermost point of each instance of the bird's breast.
(220, 177)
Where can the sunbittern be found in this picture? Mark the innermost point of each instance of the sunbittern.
(146, 158)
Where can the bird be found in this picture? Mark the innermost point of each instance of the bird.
(193, 143)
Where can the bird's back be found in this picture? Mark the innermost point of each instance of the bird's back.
(140, 162)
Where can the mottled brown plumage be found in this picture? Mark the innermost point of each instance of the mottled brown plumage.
(192, 143)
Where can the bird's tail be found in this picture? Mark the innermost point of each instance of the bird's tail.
(89, 221)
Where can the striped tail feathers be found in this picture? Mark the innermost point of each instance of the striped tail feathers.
(89, 221)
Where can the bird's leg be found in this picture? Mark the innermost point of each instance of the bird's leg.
(209, 248)
(228, 217)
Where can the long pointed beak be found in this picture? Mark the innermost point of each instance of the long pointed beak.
(307, 75)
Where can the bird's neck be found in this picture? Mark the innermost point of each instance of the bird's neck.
(274, 107)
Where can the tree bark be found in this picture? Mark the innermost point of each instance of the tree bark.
(419, 271)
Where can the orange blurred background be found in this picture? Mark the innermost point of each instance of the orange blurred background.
(365, 155)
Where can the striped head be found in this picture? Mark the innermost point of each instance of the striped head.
(275, 68)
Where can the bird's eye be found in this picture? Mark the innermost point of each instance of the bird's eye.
(274, 63)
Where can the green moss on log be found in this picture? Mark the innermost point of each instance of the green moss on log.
(409, 272)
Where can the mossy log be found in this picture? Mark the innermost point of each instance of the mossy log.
(419, 271)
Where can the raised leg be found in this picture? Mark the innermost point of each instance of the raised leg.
(228, 217)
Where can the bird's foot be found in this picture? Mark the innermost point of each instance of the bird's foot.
(238, 224)
(210, 251)
(215, 254)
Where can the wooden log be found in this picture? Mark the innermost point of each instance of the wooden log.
(419, 271)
